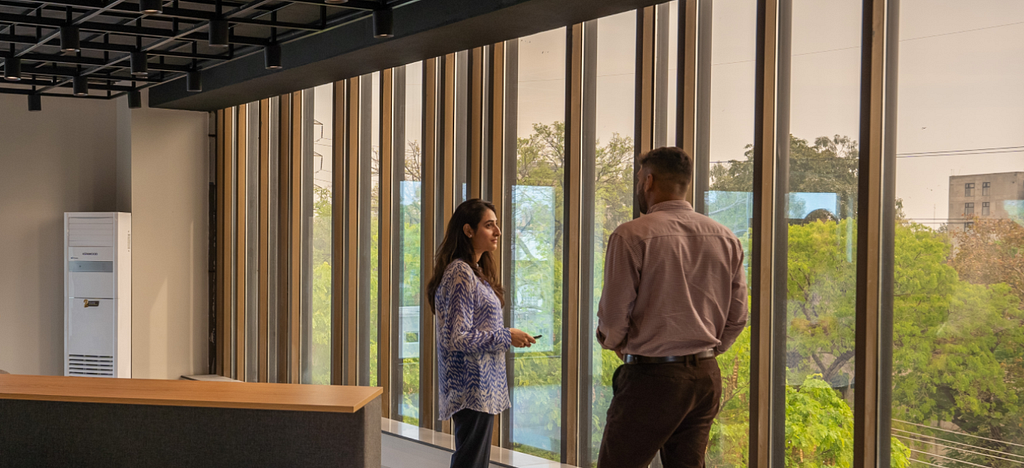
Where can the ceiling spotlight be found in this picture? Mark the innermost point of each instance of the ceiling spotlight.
(194, 81)
(272, 56)
(80, 85)
(383, 23)
(219, 32)
(35, 102)
(151, 7)
(69, 39)
(12, 69)
(134, 99)
(335, 2)
(139, 63)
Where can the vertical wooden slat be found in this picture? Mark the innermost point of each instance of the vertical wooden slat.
(448, 178)
(496, 154)
(571, 245)
(223, 250)
(588, 216)
(875, 233)
(644, 105)
(448, 165)
(428, 243)
(338, 210)
(264, 242)
(295, 247)
(352, 338)
(386, 241)
(240, 239)
(476, 122)
(284, 232)
(687, 97)
(768, 264)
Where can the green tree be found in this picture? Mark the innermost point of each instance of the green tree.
(829, 165)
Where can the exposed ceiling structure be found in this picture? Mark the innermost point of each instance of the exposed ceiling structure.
(211, 54)
(102, 49)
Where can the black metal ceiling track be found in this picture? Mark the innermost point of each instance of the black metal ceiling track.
(74, 47)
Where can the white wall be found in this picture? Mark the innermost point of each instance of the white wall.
(57, 160)
(170, 248)
(84, 155)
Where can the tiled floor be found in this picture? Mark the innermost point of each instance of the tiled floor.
(407, 445)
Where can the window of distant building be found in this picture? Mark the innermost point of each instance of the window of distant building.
(984, 208)
(984, 187)
(969, 189)
(969, 208)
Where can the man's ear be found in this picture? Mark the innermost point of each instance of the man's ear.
(467, 230)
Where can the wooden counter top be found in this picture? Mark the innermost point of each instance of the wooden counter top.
(242, 395)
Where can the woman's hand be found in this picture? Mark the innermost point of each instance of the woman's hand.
(521, 339)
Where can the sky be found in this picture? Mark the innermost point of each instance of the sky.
(961, 65)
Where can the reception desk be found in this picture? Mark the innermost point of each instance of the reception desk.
(79, 421)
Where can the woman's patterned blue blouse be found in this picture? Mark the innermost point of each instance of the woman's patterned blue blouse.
(471, 344)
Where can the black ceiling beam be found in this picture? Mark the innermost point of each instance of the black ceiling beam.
(26, 92)
(121, 29)
(90, 61)
(62, 73)
(423, 30)
(111, 47)
(93, 84)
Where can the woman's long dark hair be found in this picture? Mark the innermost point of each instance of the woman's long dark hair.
(457, 246)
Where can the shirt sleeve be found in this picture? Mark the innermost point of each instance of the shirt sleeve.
(464, 337)
(621, 282)
(737, 318)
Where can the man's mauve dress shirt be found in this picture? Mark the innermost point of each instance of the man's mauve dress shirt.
(673, 285)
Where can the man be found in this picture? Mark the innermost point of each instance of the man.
(674, 298)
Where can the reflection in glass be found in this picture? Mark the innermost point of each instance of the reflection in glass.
(730, 202)
(958, 353)
(613, 180)
(374, 238)
(408, 114)
(536, 232)
(320, 262)
(825, 112)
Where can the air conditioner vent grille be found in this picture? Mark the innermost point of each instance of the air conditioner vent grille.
(90, 365)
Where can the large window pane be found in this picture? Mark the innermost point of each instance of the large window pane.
(537, 203)
(729, 201)
(372, 148)
(320, 357)
(613, 183)
(408, 114)
(821, 295)
(958, 350)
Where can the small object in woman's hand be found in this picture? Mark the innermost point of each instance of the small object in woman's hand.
(537, 337)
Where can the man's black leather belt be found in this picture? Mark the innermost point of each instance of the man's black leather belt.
(690, 358)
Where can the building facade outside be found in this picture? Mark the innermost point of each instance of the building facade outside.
(997, 195)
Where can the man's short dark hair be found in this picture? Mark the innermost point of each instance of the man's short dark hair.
(670, 164)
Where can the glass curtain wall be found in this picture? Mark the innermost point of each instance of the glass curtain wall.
(729, 200)
(612, 153)
(537, 238)
(409, 115)
(824, 124)
(958, 349)
(320, 262)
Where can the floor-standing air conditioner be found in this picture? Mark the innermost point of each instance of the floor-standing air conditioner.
(98, 294)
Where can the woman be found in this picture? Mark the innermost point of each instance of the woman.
(467, 298)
